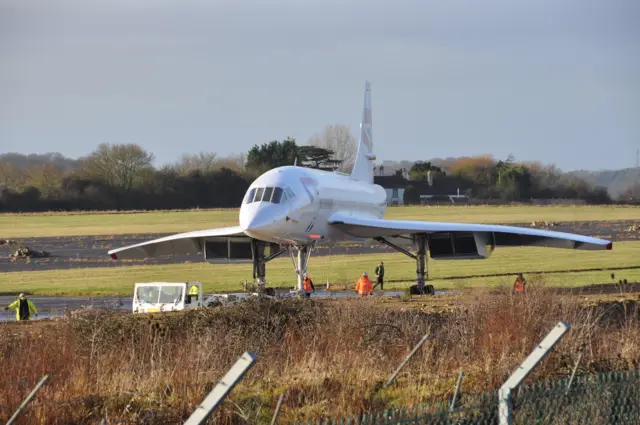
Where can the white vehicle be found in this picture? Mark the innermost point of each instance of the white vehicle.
(294, 208)
(169, 296)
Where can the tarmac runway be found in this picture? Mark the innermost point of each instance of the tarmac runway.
(91, 251)
(57, 306)
(54, 306)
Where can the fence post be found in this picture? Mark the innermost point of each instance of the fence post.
(455, 394)
(221, 390)
(573, 374)
(27, 400)
(505, 402)
(277, 412)
(404, 362)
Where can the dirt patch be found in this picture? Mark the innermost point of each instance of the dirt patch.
(91, 251)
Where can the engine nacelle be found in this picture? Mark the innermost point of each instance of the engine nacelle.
(233, 250)
(461, 246)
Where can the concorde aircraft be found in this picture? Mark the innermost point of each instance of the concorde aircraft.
(295, 209)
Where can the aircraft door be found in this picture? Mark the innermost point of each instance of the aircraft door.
(312, 210)
(289, 198)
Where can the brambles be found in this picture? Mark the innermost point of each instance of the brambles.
(329, 356)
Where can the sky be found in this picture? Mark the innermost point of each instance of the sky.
(548, 80)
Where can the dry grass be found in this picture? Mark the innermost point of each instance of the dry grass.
(330, 357)
(14, 226)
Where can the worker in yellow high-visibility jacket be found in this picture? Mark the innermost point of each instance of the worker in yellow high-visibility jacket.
(23, 307)
(193, 291)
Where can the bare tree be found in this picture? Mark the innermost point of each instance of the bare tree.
(631, 193)
(204, 162)
(11, 177)
(118, 165)
(548, 176)
(337, 138)
(233, 162)
(45, 177)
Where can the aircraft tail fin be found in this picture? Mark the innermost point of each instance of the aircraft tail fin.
(363, 167)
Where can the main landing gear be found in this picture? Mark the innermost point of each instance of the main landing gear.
(420, 242)
(299, 256)
(303, 254)
(260, 265)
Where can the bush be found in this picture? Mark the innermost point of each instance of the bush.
(329, 356)
(411, 195)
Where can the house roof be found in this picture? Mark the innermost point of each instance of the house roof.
(441, 185)
(390, 182)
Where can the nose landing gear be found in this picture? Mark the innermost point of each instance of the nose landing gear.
(300, 256)
(303, 254)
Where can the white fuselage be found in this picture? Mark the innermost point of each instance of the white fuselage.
(298, 212)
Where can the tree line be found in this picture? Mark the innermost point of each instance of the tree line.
(123, 177)
(483, 177)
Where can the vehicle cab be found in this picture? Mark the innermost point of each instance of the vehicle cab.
(166, 296)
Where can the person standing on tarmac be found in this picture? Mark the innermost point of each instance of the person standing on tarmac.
(364, 285)
(23, 307)
(380, 276)
(307, 286)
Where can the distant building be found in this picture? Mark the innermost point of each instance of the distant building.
(394, 186)
(445, 189)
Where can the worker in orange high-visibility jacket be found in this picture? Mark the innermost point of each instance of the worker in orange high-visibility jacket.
(364, 285)
(519, 286)
(307, 285)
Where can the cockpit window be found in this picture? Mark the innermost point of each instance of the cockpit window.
(277, 195)
(267, 194)
(249, 198)
(259, 192)
(290, 193)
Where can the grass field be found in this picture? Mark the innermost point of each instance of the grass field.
(109, 223)
(343, 269)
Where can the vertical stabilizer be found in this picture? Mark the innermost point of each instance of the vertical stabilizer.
(363, 167)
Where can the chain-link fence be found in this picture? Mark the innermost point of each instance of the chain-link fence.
(608, 398)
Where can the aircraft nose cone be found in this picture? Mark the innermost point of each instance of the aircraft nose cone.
(257, 220)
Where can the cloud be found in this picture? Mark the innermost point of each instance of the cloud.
(154, 71)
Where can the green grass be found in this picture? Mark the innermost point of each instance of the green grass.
(341, 269)
(110, 223)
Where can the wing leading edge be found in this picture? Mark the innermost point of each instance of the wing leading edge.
(181, 243)
(365, 227)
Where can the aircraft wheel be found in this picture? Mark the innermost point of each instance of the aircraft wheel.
(427, 290)
(270, 291)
